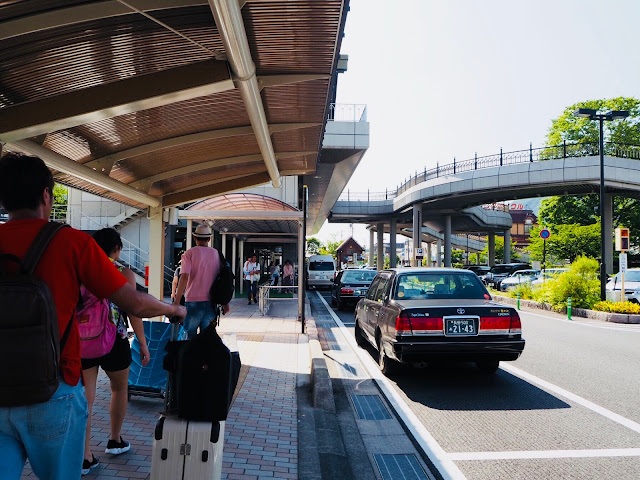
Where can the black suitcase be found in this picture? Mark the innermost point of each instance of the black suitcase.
(203, 374)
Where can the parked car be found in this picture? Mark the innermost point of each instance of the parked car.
(321, 271)
(350, 286)
(502, 271)
(478, 269)
(631, 286)
(548, 274)
(416, 315)
(518, 277)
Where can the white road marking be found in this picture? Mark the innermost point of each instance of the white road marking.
(573, 397)
(448, 470)
(525, 455)
(622, 327)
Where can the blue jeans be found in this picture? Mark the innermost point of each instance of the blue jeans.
(50, 434)
(252, 290)
(199, 314)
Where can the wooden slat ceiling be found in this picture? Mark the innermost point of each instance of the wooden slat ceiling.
(285, 38)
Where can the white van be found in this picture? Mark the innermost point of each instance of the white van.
(321, 271)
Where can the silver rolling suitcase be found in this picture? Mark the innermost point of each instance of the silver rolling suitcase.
(184, 449)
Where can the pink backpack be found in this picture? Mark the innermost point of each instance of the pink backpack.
(97, 331)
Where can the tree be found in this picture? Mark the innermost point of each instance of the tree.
(566, 243)
(330, 247)
(583, 210)
(313, 245)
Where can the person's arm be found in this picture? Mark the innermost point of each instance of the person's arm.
(174, 286)
(144, 305)
(245, 269)
(182, 285)
(136, 322)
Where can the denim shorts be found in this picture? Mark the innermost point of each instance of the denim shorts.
(50, 434)
(199, 314)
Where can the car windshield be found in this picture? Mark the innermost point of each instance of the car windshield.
(523, 273)
(358, 276)
(439, 286)
(630, 276)
(320, 266)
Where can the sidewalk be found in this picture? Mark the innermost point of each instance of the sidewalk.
(261, 434)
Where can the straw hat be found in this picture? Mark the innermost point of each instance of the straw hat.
(202, 231)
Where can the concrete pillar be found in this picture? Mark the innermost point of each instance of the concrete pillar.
(507, 246)
(156, 252)
(439, 253)
(608, 228)
(189, 233)
(492, 248)
(241, 256)
(224, 245)
(429, 257)
(447, 241)
(392, 244)
(233, 254)
(371, 249)
(380, 246)
(417, 232)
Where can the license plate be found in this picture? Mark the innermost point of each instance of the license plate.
(460, 326)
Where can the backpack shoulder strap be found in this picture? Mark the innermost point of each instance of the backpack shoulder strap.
(39, 245)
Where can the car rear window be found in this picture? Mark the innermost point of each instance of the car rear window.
(439, 286)
(500, 270)
(320, 266)
(358, 276)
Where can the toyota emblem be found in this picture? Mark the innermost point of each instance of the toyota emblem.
(460, 311)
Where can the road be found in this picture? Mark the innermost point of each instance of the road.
(569, 408)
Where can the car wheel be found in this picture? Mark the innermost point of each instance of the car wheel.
(488, 367)
(359, 334)
(387, 366)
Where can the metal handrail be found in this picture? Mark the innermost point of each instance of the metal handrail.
(347, 112)
(264, 299)
(530, 155)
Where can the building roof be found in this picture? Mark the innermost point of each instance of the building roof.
(346, 242)
(154, 105)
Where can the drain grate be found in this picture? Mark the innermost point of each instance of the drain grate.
(370, 407)
(400, 467)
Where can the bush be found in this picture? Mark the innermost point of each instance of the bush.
(618, 307)
(524, 289)
(580, 283)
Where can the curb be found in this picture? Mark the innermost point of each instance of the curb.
(578, 312)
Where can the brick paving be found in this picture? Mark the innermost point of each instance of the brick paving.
(261, 434)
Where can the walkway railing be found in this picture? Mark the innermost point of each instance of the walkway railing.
(346, 112)
(265, 298)
(554, 152)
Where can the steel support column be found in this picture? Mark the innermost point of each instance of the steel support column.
(156, 252)
(507, 246)
(371, 247)
(417, 232)
(492, 248)
(380, 246)
(447, 241)
(233, 254)
(608, 232)
(392, 243)
(439, 253)
(189, 233)
(241, 258)
(224, 245)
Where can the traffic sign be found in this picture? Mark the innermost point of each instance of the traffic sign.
(419, 253)
(623, 262)
(545, 233)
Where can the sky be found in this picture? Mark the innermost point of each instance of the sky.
(449, 78)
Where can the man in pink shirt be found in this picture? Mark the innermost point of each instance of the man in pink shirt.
(200, 267)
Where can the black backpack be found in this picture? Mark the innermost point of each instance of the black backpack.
(223, 287)
(30, 344)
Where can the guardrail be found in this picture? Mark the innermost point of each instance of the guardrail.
(530, 155)
(264, 298)
(347, 112)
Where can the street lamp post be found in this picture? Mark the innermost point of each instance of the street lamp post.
(592, 114)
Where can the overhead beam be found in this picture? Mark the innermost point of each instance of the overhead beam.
(68, 166)
(249, 170)
(106, 163)
(230, 25)
(88, 12)
(241, 215)
(146, 183)
(96, 103)
(287, 79)
(216, 189)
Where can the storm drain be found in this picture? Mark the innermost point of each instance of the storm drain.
(370, 407)
(400, 467)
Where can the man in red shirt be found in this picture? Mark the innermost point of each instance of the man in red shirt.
(51, 434)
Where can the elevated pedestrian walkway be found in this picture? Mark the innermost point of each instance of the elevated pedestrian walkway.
(275, 429)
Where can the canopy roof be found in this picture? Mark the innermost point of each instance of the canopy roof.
(149, 103)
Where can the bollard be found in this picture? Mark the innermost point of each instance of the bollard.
(518, 298)
(569, 308)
